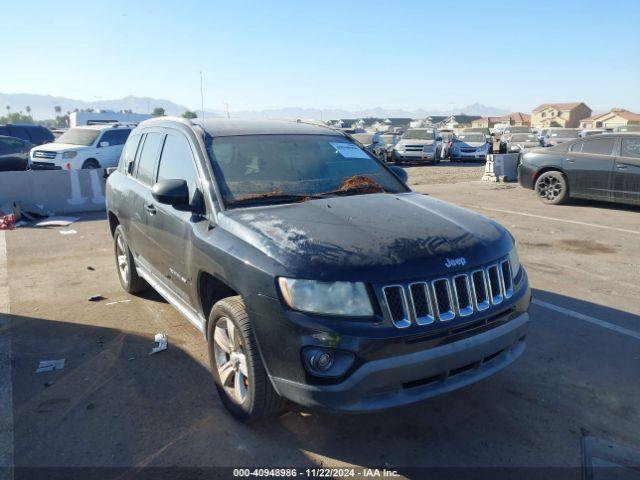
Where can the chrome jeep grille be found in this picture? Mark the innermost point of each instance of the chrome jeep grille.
(443, 299)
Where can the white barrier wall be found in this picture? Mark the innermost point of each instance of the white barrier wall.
(61, 191)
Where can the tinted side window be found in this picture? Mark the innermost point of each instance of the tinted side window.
(176, 162)
(630, 147)
(601, 146)
(129, 152)
(4, 130)
(10, 145)
(576, 147)
(115, 137)
(147, 159)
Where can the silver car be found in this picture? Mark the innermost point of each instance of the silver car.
(556, 136)
(418, 145)
(470, 146)
(519, 142)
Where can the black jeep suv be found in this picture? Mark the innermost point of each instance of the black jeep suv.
(312, 270)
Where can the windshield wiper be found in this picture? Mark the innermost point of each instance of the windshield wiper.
(272, 198)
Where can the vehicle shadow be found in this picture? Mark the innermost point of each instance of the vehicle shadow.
(117, 408)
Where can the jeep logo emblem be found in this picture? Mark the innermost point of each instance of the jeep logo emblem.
(455, 262)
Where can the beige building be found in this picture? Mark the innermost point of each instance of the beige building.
(567, 115)
(617, 117)
(516, 119)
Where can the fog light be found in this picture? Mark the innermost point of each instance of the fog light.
(324, 362)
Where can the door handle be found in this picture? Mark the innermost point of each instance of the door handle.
(151, 209)
(621, 167)
(570, 160)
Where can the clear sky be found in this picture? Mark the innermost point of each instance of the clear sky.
(327, 54)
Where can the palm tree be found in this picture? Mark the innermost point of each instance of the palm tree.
(28, 109)
(57, 109)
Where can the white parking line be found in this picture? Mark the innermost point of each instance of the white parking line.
(587, 318)
(6, 390)
(575, 222)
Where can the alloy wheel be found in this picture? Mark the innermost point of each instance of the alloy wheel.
(231, 360)
(123, 259)
(549, 187)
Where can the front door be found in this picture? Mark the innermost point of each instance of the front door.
(589, 167)
(108, 156)
(171, 228)
(626, 175)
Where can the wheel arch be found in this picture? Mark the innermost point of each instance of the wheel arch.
(548, 168)
(91, 159)
(211, 289)
(113, 222)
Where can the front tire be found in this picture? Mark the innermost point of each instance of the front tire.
(552, 188)
(90, 164)
(127, 272)
(240, 377)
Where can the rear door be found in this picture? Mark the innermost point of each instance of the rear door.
(141, 199)
(170, 230)
(589, 167)
(13, 154)
(626, 176)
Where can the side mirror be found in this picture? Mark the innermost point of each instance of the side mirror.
(400, 172)
(103, 144)
(171, 192)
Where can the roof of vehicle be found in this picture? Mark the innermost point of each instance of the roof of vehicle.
(105, 126)
(227, 127)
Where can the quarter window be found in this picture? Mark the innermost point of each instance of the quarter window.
(630, 147)
(176, 163)
(147, 159)
(601, 146)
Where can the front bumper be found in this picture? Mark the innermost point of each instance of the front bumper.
(403, 379)
(526, 176)
(457, 154)
(414, 156)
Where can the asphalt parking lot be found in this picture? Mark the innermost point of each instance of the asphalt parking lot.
(113, 405)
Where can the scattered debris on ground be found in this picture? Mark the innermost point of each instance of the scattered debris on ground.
(91, 268)
(96, 298)
(50, 365)
(117, 301)
(57, 222)
(162, 341)
(67, 232)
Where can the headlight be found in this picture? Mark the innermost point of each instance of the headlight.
(331, 298)
(514, 261)
(399, 148)
(70, 154)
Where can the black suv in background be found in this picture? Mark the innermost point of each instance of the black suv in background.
(312, 270)
(35, 134)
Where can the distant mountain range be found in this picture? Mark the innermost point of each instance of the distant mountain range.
(42, 107)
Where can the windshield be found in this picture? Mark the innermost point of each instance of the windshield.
(472, 137)
(564, 133)
(260, 169)
(78, 136)
(419, 134)
(524, 137)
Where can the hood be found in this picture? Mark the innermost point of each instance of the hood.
(60, 147)
(375, 236)
(470, 144)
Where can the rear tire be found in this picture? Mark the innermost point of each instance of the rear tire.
(239, 374)
(127, 273)
(552, 188)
